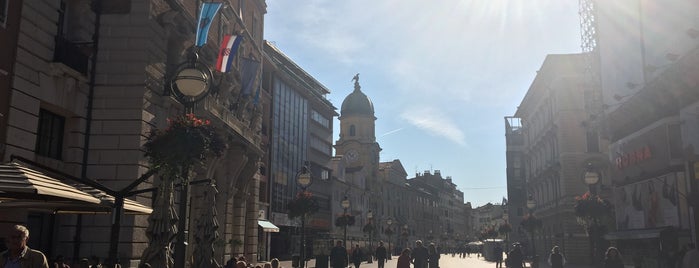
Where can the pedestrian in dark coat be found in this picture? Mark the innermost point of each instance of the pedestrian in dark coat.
(432, 256)
(556, 258)
(419, 255)
(357, 256)
(612, 259)
(515, 258)
(381, 254)
(404, 259)
(338, 256)
(497, 251)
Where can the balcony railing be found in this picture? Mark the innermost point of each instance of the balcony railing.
(70, 54)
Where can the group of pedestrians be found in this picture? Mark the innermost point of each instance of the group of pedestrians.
(419, 257)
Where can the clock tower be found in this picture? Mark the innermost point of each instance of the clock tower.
(357, 143)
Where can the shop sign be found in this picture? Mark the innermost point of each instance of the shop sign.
(634, 157)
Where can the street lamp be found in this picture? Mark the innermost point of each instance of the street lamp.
(389, 232)
(191, 84)
(591, 178)
(370, 216)
(405, 235)
(345, 205)
(531, 205)
(303, 179)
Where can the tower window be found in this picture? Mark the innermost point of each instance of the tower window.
(353, 130)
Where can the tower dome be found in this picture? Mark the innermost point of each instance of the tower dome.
(357, 103)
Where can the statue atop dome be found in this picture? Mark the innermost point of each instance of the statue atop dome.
(356, 81)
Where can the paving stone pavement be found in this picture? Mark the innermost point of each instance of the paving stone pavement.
(445, 261)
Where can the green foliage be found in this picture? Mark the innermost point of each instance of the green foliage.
(186, 141)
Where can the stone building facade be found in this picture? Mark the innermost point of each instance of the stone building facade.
(557, 146)
(90, 79)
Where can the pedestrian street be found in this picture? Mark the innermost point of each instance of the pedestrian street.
(445, 261)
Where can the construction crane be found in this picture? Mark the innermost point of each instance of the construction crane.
(589, 38)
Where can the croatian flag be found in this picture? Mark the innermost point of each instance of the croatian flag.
(206, 16)
(226, 53)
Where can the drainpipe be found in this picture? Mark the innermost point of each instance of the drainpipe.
(97, 8)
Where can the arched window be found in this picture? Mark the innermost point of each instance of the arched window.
(352, 131)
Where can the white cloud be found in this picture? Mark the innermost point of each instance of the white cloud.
(390, 132)
(436, 123)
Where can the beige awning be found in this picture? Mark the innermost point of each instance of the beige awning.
(26, 188)
(18, 182)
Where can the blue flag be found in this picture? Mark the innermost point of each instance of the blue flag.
(206, 16)
(248, 75)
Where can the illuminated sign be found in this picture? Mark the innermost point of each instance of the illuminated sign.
(634, 157)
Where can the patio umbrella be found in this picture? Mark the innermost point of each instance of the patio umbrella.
(161, 228)
(206, 231)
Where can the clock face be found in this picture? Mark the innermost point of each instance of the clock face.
(352, 155)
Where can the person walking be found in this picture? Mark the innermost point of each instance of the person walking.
(419, 255)
(357, 256)
(18, 254)
(338, 256)
(432, 256)
(60, 262)
(556, 258)
(515, 258)
(612, 259)
(404, 259)
(497, 251)
(380, 254)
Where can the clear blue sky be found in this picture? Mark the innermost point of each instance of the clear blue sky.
(442, 74)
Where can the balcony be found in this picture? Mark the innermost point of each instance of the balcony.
(71, 55)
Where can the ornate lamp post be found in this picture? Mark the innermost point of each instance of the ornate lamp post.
(370, 226)
(389, 232)
(303, 179)
(345, 205)
(190, 85)
(531, 205)
(405, 235)
(591, 178)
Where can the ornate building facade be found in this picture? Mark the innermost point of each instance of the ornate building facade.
(90, 81)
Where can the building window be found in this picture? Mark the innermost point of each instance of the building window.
(3, 12)
(320, 119)
(49, 137)
(352, 131)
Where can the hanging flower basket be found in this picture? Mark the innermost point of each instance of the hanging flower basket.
(368, 228)
(505, 228)
(388, 231)
(344, 220)
(589, 205)
(186, 141)
(489, 232)
(303, 204)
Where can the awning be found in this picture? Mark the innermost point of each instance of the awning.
(268, 226)
(18, 182)
(636, 234)
(26, 188)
